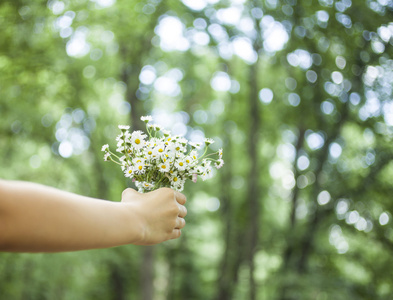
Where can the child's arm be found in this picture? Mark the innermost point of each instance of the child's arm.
(37, 218)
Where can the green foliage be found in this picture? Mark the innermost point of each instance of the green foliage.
(304, 199)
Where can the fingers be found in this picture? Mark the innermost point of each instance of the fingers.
(175, 234)
(182, 211)
(180, 223)
(180, 198)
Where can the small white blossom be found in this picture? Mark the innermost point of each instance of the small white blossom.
(209, 141)
(129, 172)
(107, 156)
(147, 185)
(195, 145)
(154, 126)
(163, 167)
(159, 150)
(182, 141)
(124, 127)
(166, 132)
(147, 119)
(180, 164)
(219, 163)
(139, 167)
(153, 162)
(138, 139)
(177, 147)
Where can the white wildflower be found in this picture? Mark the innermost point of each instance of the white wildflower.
(138, 139)
(107, 156)
(159, 150)
(166, 132)
(164, 159)
(219, 163)
(180, 164)
(155, 127)
(124, 127)
(129, 172)
(139, 167)
(208, 141)
(147, 186)
(147, 119)
(163, 167)
(195, 145)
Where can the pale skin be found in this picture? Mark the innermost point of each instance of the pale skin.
(38, 218)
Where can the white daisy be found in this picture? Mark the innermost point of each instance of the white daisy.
(195, 145)
(168, 140)
(159, 150)
(178, 186)
(182, 141)
(139, 167)
(124, 127)
(166, 132)
(123, 136)
(219, 163)
(208, 141)
(180, 165)
(138, 139)
(107, 156)
(163, 167)
(154, 127)
(147, 119)
(129, 172)
(177, 147)
(147, 185)
(207, 173)
(193, 155)
(220, 153)
(105, 148)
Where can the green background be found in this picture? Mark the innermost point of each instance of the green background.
(298, 93)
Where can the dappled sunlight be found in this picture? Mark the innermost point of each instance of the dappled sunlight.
(297, 94)
(171, 32)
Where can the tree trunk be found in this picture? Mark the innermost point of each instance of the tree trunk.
(253, 195)
(147, 273)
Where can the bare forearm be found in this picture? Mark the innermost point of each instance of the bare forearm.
(36, 218)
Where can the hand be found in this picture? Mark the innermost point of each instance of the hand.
(157, 216)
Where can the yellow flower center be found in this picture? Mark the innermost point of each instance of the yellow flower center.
(150, 152)
(163, 166)
(194, 157)
(160, 150)
(187, 161)
(140, 167)
(175, 179)
(180, 164)
(168, 139)
(130, 171)
(137, 141)
(177, 148)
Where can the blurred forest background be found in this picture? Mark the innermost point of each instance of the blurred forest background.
(298, 93)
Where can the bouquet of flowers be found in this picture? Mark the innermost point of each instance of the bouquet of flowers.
(159, 159)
